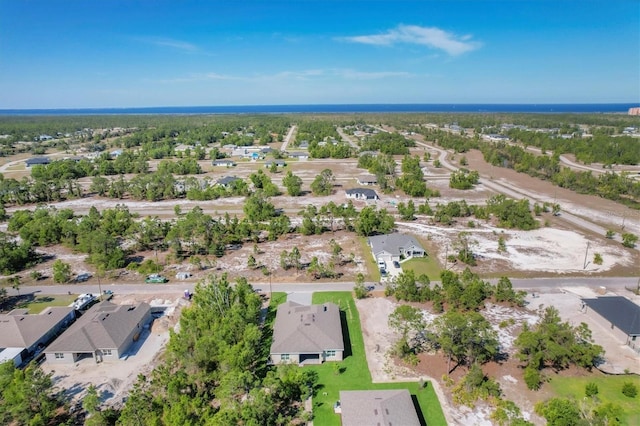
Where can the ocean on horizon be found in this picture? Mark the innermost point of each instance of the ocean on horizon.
(335, 109)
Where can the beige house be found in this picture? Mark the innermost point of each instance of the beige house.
(22, 334)
(377, 407)
(307, 334)
(619, 315)
(104, 333)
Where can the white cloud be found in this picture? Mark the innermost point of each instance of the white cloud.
(168, 42)
(304, 75)
(432, 37)
(366, 75)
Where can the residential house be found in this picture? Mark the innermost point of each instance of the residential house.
(115, 153)
(279, 163)
(619, 315)
(394, 247)
(495, 138)
(392, 407)
(368, 180)
(300, 155)
(223, 163)
(362, 194)
(227, 181)
(371, 153)
(22, 334)
(307, 334)
(37, 161)
(104, 333)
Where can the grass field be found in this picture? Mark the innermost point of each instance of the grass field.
(354, 372)
(423, 265)
(40, 303)
(372, 268)
(609, 390)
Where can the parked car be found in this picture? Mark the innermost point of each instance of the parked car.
(107, 295)
(382, 264)
(156, 278)
(396, 264)
(183, 275)
(83, 301)
(383, 272)
(82, 277)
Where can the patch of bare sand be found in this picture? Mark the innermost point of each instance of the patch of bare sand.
(378, 340)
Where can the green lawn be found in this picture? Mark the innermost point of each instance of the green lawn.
(40, 303)
(609, 390)
(423, 265)
(373, 272)
(354, 372)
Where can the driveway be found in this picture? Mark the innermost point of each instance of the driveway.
(301, 297)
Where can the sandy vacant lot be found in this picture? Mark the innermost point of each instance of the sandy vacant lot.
(379, 338)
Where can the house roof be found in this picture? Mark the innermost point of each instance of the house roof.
(370, 178)
(227, 180)
(104, 326)
(378, 407)
(391, 243)
(298, 154)
(620, 311)
(369, 193)
(38, 160)
(223, 162)
(306, 329)
(21, 330)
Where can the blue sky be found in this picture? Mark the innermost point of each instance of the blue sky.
(84, 54)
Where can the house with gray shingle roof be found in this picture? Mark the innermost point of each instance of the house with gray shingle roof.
(362, 194)
(368, 180)
(224, 163)
(307, 334)
(619, 315)
(377, 407)
(227, 181)
(104, 333)
(395, 246)
(37, 161)
(22, 334)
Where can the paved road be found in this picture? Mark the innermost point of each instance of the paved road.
(539, 284)
(347, 138)
(287, 138)
(520, 193)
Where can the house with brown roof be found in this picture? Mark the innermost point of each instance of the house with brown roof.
(22, 334)
(377, 407)
(104, 333)
(307, 334)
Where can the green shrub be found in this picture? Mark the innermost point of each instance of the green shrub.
(629, 389)
(532, 378)
(591, 389)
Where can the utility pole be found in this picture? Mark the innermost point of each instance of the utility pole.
(586, 253)
(446, 257)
